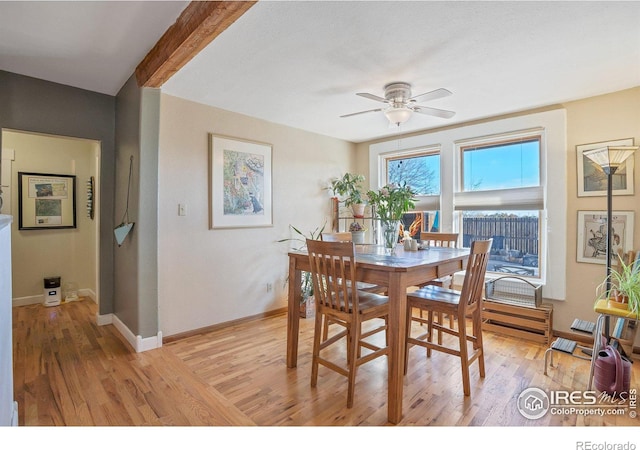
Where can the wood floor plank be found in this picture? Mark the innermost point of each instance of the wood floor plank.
(70, 371)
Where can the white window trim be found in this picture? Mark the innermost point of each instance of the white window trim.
(553, 163)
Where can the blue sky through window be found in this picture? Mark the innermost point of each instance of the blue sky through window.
(511, 165)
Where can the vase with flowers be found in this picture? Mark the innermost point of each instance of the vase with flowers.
(390, 203)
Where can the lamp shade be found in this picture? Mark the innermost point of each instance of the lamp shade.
(398, 115)
(610, 158)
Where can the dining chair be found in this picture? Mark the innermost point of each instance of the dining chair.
(462, 305)
(346, 236)
(436, 239)
(333, 264)
(440, 239)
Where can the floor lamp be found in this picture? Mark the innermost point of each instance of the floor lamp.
(609, 159)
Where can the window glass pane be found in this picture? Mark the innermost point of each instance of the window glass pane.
(515, 239)
(421, 172)
(501, 166)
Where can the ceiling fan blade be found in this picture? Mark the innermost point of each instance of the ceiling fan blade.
(371, 97)
(434, 112)
(433, 95)
(363, 112)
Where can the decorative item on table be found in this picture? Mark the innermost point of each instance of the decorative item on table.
(406, 240)
(357, 232)
(348, 189)
(390, 203)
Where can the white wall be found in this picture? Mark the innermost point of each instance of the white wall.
(7, 406)
(68, 253)
(206, 276)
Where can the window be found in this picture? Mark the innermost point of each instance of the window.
(519, 198)
(420, 169)
(421, 172)
(501, 197)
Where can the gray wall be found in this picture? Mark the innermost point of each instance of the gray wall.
(34, 105)
(136, 267)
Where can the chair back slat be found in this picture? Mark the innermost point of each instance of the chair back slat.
(333, 270)
(440, 239)
(471, 294)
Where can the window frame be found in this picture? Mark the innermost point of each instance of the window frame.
(505, 199)
(553, 222)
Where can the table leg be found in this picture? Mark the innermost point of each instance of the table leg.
(396, 333)
(293, 313)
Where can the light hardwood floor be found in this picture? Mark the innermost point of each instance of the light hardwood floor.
(69, 371)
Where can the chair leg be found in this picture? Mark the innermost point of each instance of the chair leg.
(477, 321)
(464, 356)
(430, 331)
(325, 329)
(353, 348)
(316, 348)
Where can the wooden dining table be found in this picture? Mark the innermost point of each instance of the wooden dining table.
(397, 272)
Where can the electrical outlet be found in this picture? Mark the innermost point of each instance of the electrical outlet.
(269, 287)
(182, 209)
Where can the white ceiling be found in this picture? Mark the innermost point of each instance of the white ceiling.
(300, 63)
(92, 45)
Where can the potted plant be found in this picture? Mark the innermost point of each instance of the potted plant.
(625, 287)
(307, 302)
(357, 232)
(349, 189)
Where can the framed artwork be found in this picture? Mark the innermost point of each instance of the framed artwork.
(46, 201)
(592, 235)
(240, 183)
(592, 181)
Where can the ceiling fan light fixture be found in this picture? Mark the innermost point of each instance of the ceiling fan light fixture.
(398, 115)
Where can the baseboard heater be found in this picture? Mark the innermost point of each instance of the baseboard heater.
(513, 306)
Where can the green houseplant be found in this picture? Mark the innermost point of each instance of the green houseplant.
(300, 243)
(625, 286)
(349, 188)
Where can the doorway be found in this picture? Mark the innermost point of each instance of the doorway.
(70, 253)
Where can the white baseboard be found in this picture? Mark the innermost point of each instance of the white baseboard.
(138, 343)
(104, 319)
(30, 300)
(35, 299)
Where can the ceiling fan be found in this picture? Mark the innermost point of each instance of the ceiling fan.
(400, 104)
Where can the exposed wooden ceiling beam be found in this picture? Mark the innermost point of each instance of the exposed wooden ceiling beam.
(199, 24)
